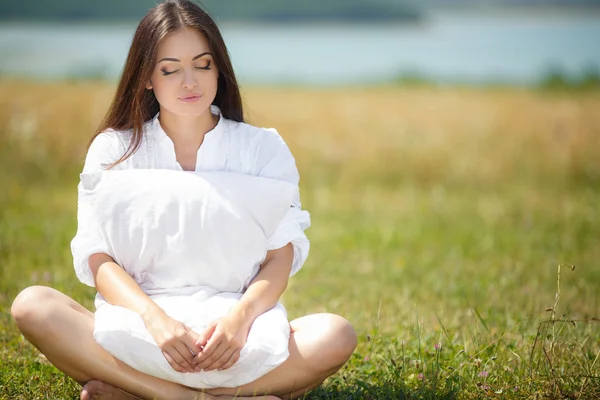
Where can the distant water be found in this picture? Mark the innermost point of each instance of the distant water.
(471, 47)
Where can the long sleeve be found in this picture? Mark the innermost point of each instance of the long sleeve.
(88, 240)
(277, 162)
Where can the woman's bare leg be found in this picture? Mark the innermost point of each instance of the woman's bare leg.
(320, 344)
(63, 330)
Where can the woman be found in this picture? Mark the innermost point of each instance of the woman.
(176, 99)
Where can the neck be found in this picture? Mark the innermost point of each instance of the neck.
(187, 129)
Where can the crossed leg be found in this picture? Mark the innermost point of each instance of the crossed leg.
(62, 329)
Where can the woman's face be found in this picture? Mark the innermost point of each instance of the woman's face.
(185, 76)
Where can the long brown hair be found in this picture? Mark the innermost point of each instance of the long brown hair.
(133, 104)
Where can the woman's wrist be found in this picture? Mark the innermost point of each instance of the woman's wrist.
(244, 312)
(151, 312)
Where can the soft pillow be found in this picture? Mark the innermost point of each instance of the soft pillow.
(172, 229)
(193, 241)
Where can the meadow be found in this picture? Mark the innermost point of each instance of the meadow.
(456, 228)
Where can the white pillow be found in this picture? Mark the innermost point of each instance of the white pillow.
(193, 241)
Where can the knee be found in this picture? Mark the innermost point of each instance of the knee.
(341, 340)
(31, 306)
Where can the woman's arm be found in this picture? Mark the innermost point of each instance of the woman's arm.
(267, 287)
(228, 335)
(120, 289)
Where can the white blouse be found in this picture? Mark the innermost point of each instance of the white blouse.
(231, 147)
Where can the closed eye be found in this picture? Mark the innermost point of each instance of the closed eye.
(207, 67)
(165, 72)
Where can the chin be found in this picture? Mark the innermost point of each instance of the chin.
(193, 113)
(189, 110)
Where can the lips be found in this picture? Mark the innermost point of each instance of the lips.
(190, 97)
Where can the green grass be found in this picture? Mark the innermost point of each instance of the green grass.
(439, 238)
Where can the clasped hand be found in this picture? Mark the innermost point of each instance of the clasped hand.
(218, 347)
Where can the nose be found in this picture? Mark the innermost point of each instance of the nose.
(189, 80)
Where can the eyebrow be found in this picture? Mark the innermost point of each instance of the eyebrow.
(193, 59)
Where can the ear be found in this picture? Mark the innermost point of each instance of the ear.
(149, 85)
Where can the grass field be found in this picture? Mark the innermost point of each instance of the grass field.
(440, 217)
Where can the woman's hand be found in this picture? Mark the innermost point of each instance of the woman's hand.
(179, 344)
(224, 340)
(177, 341)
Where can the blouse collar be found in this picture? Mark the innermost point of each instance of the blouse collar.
(157, 132)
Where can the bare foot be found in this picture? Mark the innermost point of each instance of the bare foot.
(249, 398)
(97, 390)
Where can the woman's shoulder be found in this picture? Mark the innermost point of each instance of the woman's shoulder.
(266, 149)
(106, 148)
(112, 138)
(254, 136)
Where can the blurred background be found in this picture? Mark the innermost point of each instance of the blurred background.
(449, 154)
(325, 42)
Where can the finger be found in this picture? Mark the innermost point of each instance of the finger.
(208, 356)
(179, 359)
(223, 358)
(232, 360)
(186, 354)
(173, 363)
(209, 347)
(220, 356)
(205, 336)
(190, 343)
(194, 340)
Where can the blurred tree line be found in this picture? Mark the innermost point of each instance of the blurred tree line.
(236, 10)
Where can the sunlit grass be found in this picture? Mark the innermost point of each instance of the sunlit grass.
(440, 216)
